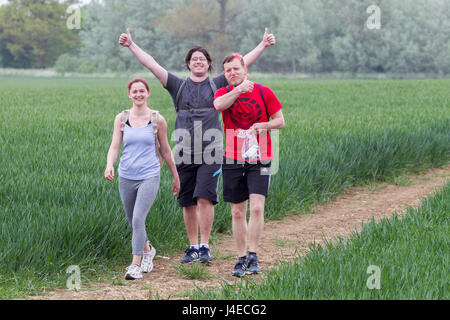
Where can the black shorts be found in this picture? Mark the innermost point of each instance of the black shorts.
(242, 179)
(198, 181)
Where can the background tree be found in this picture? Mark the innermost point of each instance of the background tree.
(106, 20)
(417, 35)
(33, 33)
(349, 47)
(295, 35)
(206, 23)
(247, 30)
(312, 35)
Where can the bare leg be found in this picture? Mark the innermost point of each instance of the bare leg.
(191, 223)
(239, 226)
(147, 246)
(205, 218)
(256, 221)
(136, 259)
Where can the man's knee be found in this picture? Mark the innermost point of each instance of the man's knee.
(257, 205)
(239, 211)
(257, 211)
(202, 202)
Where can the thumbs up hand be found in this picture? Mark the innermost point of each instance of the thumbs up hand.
(268, 39)
(246, 85)
(125, 39)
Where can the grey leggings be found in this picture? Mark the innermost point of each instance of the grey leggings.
(137, 198)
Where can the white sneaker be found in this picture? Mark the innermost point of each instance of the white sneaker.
(133, 272)
(147, 260)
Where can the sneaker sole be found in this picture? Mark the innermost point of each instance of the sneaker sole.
(238, 275)
(254, 272)
(129, 277)
(184, 262)
(207, 261)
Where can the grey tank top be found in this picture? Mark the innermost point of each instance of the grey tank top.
(139, 160)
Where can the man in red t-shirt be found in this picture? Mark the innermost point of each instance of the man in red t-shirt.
(249, 112)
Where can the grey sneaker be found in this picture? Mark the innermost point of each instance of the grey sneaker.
(240, 268)
(147, 260)
(253, 267)
(191, 255)
(133, 272)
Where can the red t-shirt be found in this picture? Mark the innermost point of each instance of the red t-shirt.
(247, 110)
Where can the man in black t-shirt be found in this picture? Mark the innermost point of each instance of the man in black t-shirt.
(199, 146)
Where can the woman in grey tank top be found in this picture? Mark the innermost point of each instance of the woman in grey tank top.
(139, 169)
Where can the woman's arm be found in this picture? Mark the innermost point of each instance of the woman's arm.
(252, 56)
(167, 155)
(147, 60)
(113, 151)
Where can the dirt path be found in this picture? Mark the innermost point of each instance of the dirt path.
(281, 240)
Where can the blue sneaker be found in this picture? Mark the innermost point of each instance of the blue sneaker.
(240, 268)
(191, 255)
(205, 257)
(253, 267)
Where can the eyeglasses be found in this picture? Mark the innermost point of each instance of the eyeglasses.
(195, 59)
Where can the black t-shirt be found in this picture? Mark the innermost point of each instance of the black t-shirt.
(196, 95)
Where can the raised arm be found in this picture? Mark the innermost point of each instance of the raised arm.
(147, 60)
(252, 56)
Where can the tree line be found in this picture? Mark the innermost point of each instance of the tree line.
(395, 36)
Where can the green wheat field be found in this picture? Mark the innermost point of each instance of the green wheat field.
(57, 210)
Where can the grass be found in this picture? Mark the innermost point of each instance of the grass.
(57, 209)
(411, 254)
(193, 271)
(401, 180)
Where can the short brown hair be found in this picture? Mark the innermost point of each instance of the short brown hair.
(233, 56)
